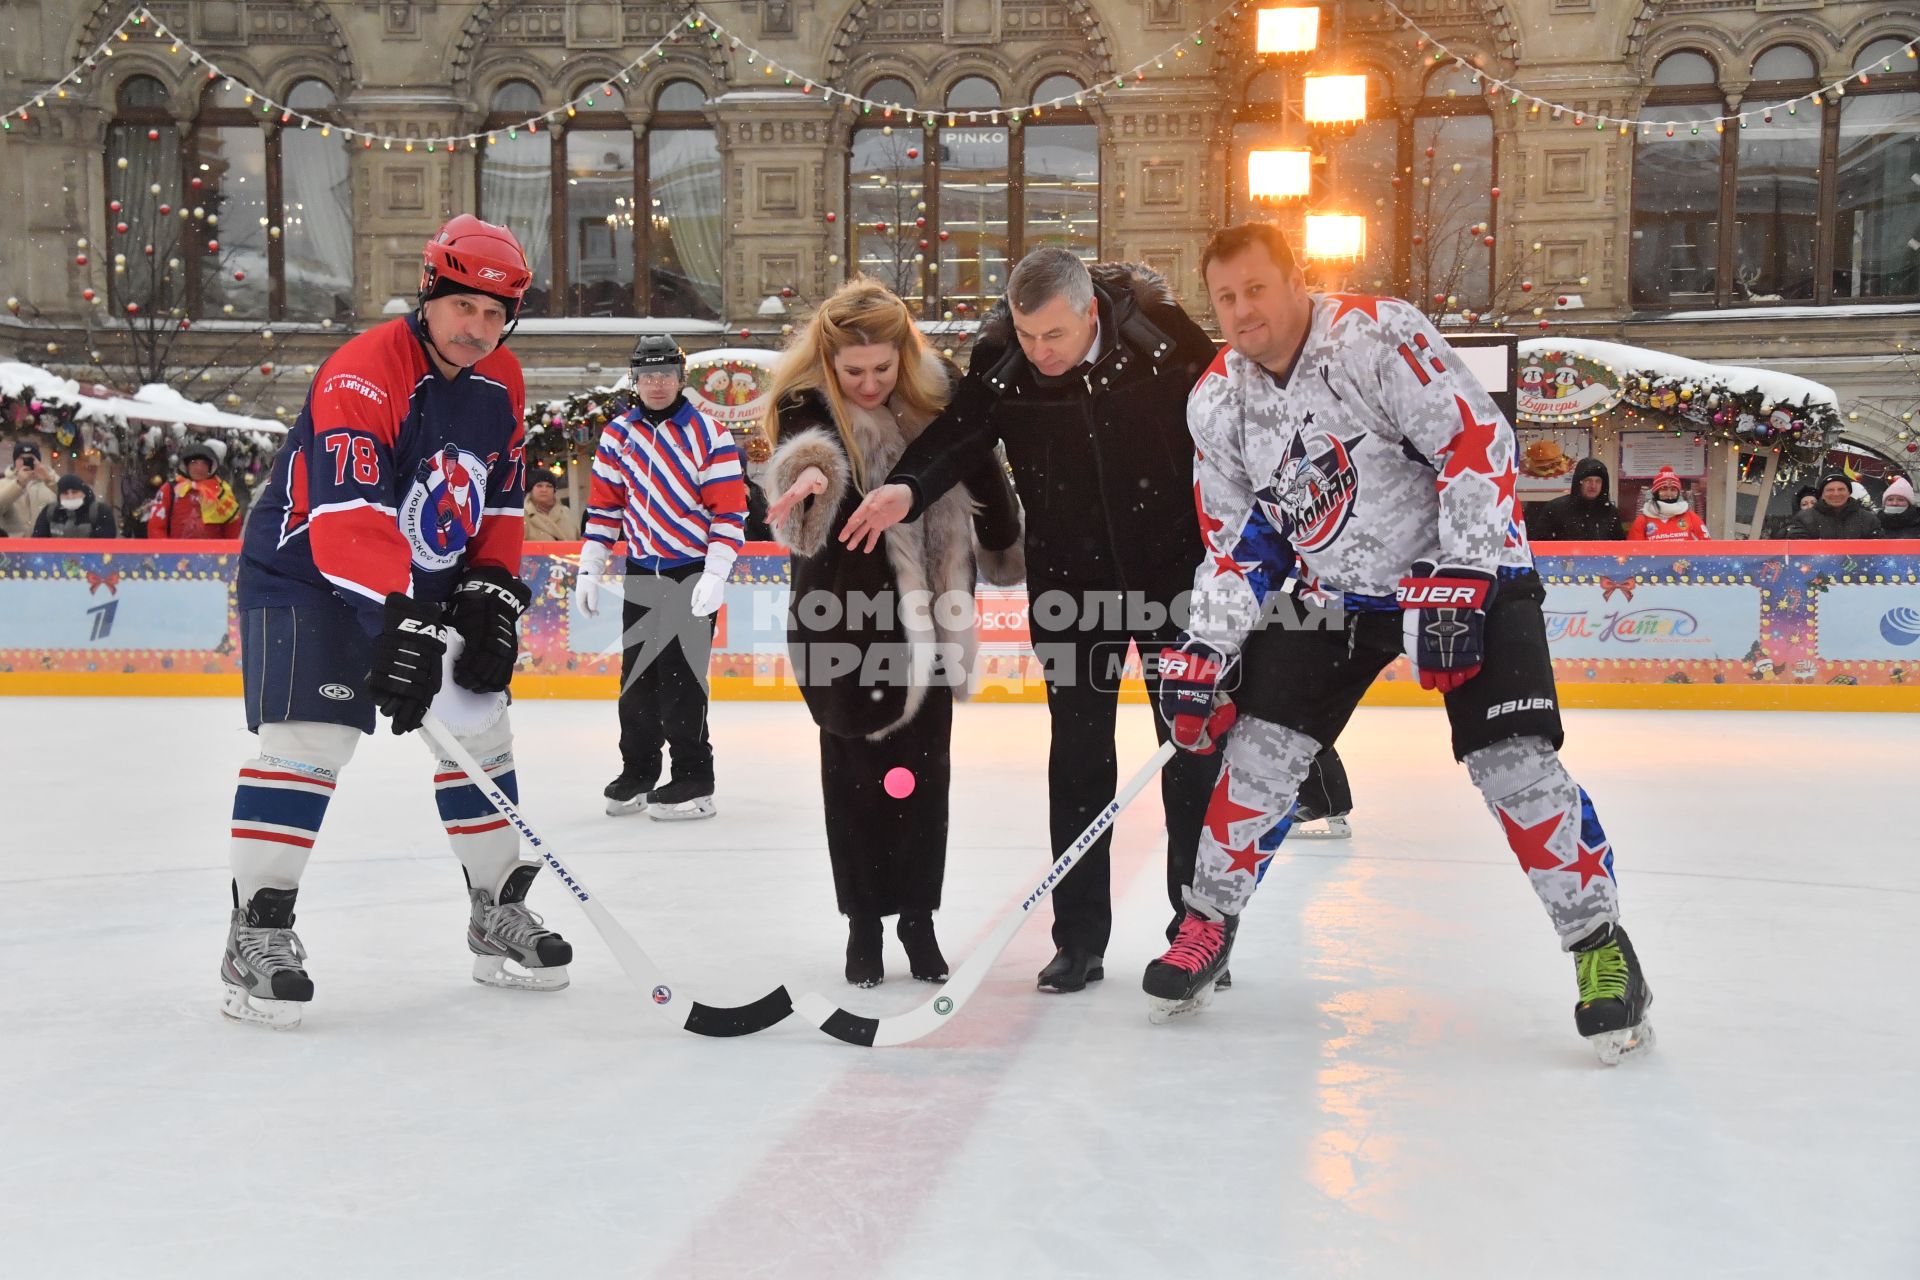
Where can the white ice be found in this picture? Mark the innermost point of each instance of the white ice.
(1393, 1088)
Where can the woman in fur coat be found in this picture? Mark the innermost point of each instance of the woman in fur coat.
(882, 642)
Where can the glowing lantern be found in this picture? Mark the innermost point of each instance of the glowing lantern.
(1276, 175)
(1336, 237)
(1335, 102)
(1288, 31)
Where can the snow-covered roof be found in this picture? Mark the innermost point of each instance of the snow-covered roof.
(1780, 388)
(152, 403)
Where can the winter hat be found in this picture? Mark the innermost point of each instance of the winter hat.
(1829, 477)
(24, 449)
(1667, 474)
(71, 484)
(1898, 491)
(199, 449)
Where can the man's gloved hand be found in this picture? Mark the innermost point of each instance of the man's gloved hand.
(1191, 701)
(708, 593)
(586, 584)
(406, 661)
(1445, 610)
(485, 610)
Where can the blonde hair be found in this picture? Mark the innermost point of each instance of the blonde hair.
(859, 313)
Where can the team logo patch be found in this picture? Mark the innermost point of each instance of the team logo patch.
(492, 273)
(662, 994)
(1310, 495)
(442, 510)
(336, 692)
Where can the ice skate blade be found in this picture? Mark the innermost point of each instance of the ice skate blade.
(1323, 829)
(276, 1015)
(1161, 1011)
(492, 971)
(1632, 1042)
(690, 811)
(621, 808)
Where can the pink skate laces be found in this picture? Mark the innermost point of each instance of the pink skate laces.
(1196, 945)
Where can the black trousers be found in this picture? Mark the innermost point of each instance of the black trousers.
(1082, 676)
(665, 705)
(1326, 791)
(890, 855)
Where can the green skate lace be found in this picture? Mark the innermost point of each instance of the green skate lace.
(1602, 972)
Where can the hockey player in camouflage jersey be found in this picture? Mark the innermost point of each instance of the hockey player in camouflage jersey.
(1346, 462)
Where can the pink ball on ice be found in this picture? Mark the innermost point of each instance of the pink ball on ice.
(898, 782)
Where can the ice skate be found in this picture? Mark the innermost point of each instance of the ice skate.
(1183, 980)
(681, 800)
(1310, 824)
(505, 931)
(267, 985)
(1614, 996)
(628, 794)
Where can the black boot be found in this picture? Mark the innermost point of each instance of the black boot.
(864, 935)
(924, 960)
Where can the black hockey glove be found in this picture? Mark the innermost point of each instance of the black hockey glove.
(1191, 701)
(406, 661)
(1446, 623)
(485, 610)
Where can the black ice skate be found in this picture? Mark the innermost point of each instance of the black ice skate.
(1183, 980)
(266, 983)
(628, 793)
(504, 930)
(1614, 995)
(681, 800)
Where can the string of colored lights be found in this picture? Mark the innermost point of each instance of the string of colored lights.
(1601, 121)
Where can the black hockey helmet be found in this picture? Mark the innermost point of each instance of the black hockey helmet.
(657, 351)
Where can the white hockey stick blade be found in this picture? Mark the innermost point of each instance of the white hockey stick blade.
(1334, 828)
(701, 1019)
(904, 1028)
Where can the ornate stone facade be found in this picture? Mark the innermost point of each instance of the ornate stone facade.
(418, 69)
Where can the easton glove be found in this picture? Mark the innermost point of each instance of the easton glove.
(1197, 712)
(406, 661)
(1446, 623)
(485, 610)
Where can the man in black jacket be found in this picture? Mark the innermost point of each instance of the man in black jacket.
(1586, 514)
(75, 513)
(1838, 514)
(1084, 377)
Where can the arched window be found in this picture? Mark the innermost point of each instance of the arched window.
(944, 194)
(229, 158)
(143, 149)
(1876, 203)
(1677, 183)
(516, 184)
(1454, 174)
(615, 223)
(314, 253)
(1777, 194)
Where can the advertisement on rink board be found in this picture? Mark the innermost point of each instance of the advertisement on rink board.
(1727, 625)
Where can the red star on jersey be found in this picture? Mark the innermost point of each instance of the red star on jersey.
(1366, 304)
(1468, 451)
(1223, 811)
(1208, 524)
(1249, 859)
(1588, 864)
(1224, 564)
(1529, 844)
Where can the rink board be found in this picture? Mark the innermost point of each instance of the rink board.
(1829, 626)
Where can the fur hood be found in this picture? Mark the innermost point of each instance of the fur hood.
(1122, 282)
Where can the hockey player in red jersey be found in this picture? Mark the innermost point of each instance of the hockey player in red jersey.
(1341, 441)
(390, 526)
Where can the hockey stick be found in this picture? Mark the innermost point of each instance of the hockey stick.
(701, 1019)
(902, 1028)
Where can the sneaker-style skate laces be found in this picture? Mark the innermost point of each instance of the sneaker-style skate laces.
(1196, 945)
(268, 949)
(515, 923)
(1602, 972)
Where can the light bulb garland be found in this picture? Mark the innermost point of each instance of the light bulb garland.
(1493, 85)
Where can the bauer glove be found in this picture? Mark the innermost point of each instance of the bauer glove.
(406, 661)
(1445, 611)
(485, 610)
(1197, 711)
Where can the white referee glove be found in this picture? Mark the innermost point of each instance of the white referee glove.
(708, 593)
(586, 584)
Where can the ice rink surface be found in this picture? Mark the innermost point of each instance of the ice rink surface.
(1393, 1087)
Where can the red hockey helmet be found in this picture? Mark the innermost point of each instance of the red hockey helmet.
(471, 256)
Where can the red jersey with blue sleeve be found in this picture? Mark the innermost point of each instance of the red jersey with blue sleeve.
(670, 482)
(394, 478)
